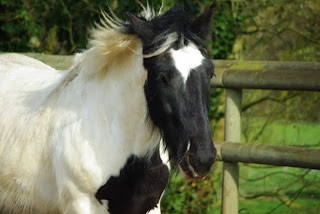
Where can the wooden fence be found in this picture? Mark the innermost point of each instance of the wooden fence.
(235, 76)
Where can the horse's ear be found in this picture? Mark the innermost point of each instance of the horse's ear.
(142, 28)
(201, 25)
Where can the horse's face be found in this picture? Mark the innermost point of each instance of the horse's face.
(177, 88)
(177, 93)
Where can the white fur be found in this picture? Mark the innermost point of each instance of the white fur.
(156, 210)
(186, 59)
(64, 133)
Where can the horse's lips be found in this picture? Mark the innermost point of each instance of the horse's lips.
(184, 174)
(187, 177)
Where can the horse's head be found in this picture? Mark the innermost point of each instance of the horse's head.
(177, 86)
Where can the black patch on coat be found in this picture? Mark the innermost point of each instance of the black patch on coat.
(138, 188)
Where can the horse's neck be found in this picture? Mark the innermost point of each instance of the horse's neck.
(113, 102)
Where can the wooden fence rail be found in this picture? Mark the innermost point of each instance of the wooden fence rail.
(270, 155)
(235, 76)
(267, 75)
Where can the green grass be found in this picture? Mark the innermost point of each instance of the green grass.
(282, 132)
(281, 189)
(262, 206)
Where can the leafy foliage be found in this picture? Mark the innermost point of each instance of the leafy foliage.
(192, 196)
(61, 27)
(226, 24)
(286, 30)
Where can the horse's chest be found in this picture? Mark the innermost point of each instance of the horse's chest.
(138, 187)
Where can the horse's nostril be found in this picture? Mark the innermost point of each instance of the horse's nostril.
(203, 164)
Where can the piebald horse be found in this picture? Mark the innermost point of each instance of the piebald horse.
(86, 140)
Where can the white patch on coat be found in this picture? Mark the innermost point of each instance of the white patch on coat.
(186, 59)
(156, 210)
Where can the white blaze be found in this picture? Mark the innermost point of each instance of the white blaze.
(186, 59)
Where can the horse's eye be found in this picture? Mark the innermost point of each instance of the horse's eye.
(163, 78)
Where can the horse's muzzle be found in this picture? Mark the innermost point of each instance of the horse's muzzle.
(197, 167)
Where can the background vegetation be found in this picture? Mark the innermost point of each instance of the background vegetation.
(281, 30)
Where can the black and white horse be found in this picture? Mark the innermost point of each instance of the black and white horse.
(87, 140)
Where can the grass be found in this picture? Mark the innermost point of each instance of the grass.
(282, 133)
(266, 189)
(279, 189)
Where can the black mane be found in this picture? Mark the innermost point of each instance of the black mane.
(175, 20)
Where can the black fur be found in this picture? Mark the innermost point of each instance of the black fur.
(175, 20)
(138, 188)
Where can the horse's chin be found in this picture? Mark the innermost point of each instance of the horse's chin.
(187, 177)
(188, 171)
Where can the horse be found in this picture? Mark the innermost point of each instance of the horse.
(75, 141)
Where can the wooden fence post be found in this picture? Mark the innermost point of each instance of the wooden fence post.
(232, 133)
